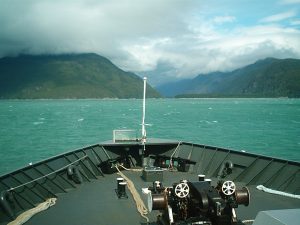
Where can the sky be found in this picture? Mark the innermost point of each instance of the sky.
(163, 39)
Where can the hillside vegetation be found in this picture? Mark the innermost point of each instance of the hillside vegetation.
(265, 78)
(67, 76)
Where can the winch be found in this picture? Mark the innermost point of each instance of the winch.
(190, 203)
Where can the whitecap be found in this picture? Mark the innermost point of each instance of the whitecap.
(37, 123)
(81, 119)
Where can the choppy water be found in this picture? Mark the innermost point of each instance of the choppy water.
(32, 130)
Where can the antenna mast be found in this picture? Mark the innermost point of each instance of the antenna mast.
(144, 112)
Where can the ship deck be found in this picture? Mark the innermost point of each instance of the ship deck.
(96, 202)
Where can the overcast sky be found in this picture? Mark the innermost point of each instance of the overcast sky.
(162, 38)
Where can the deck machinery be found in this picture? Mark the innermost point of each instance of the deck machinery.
(189, 203)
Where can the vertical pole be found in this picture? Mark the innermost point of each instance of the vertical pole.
(144, 112)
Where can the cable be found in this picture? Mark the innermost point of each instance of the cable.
(136, 196)
(135, 170)
(25, 216)
(64, 167)
(171, 157)
(272, 191)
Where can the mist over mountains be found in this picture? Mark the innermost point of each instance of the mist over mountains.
(93, 76)
(266, 78)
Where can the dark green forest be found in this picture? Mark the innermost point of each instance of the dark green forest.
(265, 78)
(67, 76)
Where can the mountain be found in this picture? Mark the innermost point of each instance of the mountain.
(67, 76)
(266, 78)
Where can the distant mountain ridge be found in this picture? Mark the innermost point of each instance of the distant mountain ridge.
(265, 78)
(67, 76)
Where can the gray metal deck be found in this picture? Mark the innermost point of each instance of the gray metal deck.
(94, 201)
(97, 203)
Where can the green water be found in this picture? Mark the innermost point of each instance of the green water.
(34, 130)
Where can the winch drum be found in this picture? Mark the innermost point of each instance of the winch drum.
(157, 201)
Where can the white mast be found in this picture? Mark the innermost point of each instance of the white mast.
(144, 112)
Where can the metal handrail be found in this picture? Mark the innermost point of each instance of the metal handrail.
(49, 174)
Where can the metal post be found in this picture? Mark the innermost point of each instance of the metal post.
(144, 112)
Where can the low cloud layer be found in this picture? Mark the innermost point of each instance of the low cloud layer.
(166, 39)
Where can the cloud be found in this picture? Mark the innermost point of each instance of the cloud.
(295, 22)
(60, 26)
(224, 19)
(224, 52)
(279, 16)
(167, 39)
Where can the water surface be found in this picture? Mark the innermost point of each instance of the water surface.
(32, 130)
